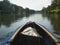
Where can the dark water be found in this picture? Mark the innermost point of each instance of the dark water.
(9, 24)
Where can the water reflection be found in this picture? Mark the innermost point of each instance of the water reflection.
(55, 21)
(11, 23)
(7, 19)
(6, 24)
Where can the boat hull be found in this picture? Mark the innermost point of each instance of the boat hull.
(19, 39)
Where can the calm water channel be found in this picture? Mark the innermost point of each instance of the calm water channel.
(9, 24)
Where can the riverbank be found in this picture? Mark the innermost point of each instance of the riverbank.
(56, 11)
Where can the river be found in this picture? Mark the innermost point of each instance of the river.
(49, 21)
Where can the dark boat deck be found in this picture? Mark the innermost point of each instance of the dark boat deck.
(27, 40)
(21, 39)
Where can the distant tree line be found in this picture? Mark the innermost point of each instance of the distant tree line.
(7, 8)
(10, 12)
(53, 8)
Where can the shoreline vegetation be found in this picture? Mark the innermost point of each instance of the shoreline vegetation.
(53, 14)
(54, 8)
(10, 12)
(7, 8)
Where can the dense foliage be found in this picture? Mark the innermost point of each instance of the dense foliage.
(53, 8)
(10, 12)
(7, 8)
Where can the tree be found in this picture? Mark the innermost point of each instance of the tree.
(6, 1)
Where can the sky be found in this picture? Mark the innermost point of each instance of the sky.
(32, 4)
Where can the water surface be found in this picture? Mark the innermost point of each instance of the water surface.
(10, 24)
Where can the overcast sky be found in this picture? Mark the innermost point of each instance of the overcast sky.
(32, 4)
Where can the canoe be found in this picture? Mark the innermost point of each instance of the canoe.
(31, 33)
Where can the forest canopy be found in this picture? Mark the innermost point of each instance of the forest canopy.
(53, 8)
